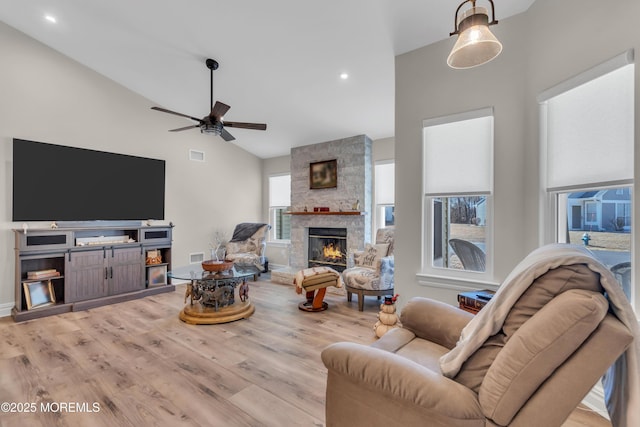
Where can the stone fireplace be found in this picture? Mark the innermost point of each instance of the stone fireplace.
(354, 172)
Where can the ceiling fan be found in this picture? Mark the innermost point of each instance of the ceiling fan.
(213, 123)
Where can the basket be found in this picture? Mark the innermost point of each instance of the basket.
(216, 266)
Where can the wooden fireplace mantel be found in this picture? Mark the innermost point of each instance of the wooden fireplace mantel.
(326, 213)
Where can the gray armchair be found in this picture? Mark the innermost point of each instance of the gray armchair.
(247, 246)
(374, 269)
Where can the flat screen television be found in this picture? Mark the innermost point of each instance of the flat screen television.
(58, 183)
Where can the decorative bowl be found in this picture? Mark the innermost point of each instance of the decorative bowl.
(216, 266)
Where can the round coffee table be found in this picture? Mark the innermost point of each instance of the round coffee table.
(212, 296)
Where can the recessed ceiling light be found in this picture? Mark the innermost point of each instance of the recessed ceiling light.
(344, 76)
(50, 18)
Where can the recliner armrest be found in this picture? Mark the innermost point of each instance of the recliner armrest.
(394, 375)
(434, 320)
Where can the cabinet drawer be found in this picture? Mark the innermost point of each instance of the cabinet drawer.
(152, 236)
(44, 241)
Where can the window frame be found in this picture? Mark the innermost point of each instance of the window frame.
(448, 277)
(553, 226)
(379, 216)
(273, 211)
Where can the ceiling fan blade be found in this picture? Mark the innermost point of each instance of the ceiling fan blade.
(164, 110)
(226, 135)
(219, 110)
(184, 128)
(256, 126)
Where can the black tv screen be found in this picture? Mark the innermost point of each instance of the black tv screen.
(59, 183)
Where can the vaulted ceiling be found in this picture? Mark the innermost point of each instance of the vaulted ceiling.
(280, 60)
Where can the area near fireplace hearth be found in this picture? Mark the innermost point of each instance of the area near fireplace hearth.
(353, 187)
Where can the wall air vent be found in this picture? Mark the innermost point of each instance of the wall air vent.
(196, 258)
(196, 155)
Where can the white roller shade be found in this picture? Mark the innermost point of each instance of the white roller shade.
(590, 132)
(385, 183)
(458, 154)
(280, 190)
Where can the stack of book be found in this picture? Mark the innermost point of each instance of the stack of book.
(42, 274)
(474, 301)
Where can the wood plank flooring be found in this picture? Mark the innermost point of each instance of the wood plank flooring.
(141, 366)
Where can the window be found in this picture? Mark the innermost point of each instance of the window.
(588, 144)
(279, 202)
(458, 182)
(455, 219)
(599, 219)
(385, 173)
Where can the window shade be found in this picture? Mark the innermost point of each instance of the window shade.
(385, 183)
(280, 190)
(458, 154)
(590, 132)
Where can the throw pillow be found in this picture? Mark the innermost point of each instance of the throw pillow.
(371, 255)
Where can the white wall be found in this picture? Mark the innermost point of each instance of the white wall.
(47, 97)
(276, 252)
(549, 43)
(427, 88)
(383, 149)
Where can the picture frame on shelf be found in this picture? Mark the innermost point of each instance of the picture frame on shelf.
(323, 174)
(157, 275)
(39, 294)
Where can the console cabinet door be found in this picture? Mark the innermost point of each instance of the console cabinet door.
(86, 275)
(126, 270)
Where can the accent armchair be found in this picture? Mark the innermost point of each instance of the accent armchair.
(373, 270)
(247, 246)
(550, 335)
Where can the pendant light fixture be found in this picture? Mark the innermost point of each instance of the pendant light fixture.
(476, 44)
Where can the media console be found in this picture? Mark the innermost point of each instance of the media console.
(72, 269)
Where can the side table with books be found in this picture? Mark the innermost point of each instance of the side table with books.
(473, 301)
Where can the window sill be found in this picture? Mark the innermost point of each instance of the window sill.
(454, 283)
(279, 242)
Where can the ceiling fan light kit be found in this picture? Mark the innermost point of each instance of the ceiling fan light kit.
(476, 44)
(213, 123)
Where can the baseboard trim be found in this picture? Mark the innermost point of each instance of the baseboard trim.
(277, 266)
(5, 309)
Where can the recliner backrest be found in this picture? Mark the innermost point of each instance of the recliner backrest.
(543, 289)
(537, 349)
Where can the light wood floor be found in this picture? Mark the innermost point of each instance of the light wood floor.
(142, 366)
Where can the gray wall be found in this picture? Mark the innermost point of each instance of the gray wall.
(47, 97)
(544, 46)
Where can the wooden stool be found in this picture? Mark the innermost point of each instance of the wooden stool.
(314, 281)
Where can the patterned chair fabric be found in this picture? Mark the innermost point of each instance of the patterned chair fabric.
(374, 266)
(247, 245)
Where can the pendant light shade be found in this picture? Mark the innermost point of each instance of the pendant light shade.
(476, 44)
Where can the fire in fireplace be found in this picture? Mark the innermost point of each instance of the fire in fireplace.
(328, 247)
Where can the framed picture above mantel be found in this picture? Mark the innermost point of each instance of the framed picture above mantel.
(323, 174)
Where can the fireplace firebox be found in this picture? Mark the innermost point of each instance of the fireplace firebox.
(328, 247)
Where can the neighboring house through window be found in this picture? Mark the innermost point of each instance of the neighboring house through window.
(279, 202)
(458, 183)
(587, 165)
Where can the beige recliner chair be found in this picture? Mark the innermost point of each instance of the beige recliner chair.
(558, 338)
